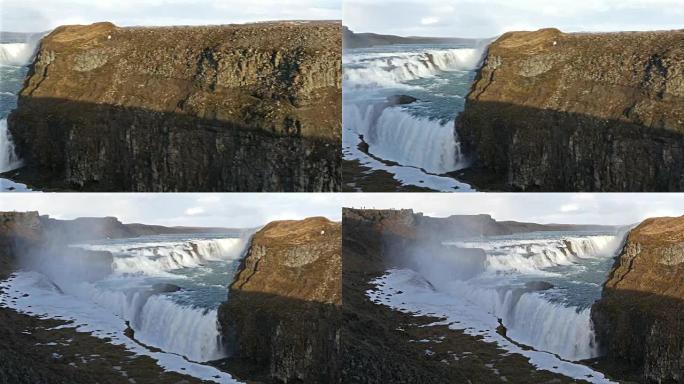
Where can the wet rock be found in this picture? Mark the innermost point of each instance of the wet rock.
(401, 99)
(535, 286)
(165, 288)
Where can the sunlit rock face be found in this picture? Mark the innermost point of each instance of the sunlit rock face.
(552, 111)
(253, 107)
(640, 318)
(283, 313)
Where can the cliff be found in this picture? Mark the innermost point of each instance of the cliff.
(283, 313)
(551, 111)
(639, 320)
(253, 107)
(18, 230)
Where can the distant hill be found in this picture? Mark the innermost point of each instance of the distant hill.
(19, 37)
(365, 40)
(95, 228)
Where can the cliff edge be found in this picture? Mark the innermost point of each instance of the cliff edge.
(639, 320)
(254, 107)
(551, 111)
(283, 316)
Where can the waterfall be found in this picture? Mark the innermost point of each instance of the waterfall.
(8, 157)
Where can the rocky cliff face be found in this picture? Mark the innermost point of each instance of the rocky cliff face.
(283, 313)
(639, 320)
(18, 230)
(551, 111)
(223, 108)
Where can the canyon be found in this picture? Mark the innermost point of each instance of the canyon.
(637, 318)
(254, 107)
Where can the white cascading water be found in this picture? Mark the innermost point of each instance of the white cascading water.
(157, 259)
(395, 69)
(392, 132)
(8, 156)
(157, 320)
(533, 256)
(17, 54)
(398, 136)
(530, 318)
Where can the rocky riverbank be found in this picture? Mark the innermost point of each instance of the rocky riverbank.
(42, 351)
(551, 111)
(283, 313)
(253, 107)
(640, 318)
(379, 344)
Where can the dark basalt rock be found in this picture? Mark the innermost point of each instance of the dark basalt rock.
(401, 99)
(252, 107)
(536, 286)
(551, 111)
(283, 313)
(639, 320)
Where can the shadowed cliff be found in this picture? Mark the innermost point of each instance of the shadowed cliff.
(551, 111)
(251, 107)
(639, 319)
(282, 318)
(97, 147)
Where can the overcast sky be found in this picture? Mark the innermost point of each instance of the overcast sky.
(42, 15)
(251, 210)
(489, 18)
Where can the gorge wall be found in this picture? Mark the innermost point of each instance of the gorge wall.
(283, 312)
(252, 107)
(551, 111)
(639, 320)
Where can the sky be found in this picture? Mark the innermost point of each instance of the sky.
(490, 18)
(43, 15)
(253, 210)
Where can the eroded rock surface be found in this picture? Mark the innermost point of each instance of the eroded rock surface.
(551, 111)
(639, 320)
(252, 107)
(283, 314)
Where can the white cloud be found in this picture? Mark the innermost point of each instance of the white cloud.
(429, 20)
(194, 211)
(488, 18)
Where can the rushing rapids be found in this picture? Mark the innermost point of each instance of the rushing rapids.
(418, 136)
(539, 287)
(165, 288)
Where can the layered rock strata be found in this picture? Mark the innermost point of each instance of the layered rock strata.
(283, 312)
(551, 111)
(639, 320)
(253, 107)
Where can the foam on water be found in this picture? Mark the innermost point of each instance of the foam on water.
(394, 70)
(552, 321)
(416, 143)
(37, 296)
(157, 259)
(166, 289)
(534, 256)
(409, 292)
(396, 135)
